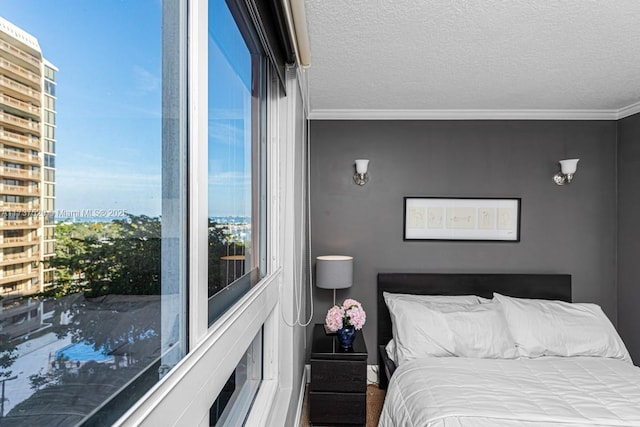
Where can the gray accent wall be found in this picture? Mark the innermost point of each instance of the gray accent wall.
(569, 229)
(629, 233)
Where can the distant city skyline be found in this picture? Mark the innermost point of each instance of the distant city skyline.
(109, 105)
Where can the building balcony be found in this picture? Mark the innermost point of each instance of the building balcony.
(16, 139)
(9, 120)
(21, 190)
(5, 279)
(11, 308)
(19, 207)
(21, 106)
(20, 156)
(14, 242)
(12, 261)
(19, 90)
(19, 224)
(20, 73)
(20, 173)
(21, 239)
(29, 59)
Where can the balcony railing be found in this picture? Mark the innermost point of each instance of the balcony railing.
(29, 125)
(16, 224)
(20, 156)
(21, 239)
(20, 259)
(17, 277)
(20, 173)
(19, 207)
(15, 138)
(27, 190)
(20, 71)
(16, 87)
(20, 105)
(19, 53)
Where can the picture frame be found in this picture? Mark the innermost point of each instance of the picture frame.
(484, 219)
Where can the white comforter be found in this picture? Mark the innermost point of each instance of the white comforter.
(571, 391)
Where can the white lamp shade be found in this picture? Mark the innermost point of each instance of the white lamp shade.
(569, 166)
(362, 165)
(334, 271)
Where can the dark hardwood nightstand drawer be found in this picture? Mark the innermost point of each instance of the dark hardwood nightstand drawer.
(338, 408)
(339, 375)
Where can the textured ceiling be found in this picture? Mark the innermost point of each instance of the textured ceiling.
(425, 55)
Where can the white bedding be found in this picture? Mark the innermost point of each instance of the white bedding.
(547, 391)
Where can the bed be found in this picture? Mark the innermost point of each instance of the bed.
(583, 381)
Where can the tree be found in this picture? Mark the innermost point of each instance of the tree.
(121, 257)
(8, 355)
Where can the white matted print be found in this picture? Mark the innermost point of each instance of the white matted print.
(448, 218)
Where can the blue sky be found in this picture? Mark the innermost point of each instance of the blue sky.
(109, 90)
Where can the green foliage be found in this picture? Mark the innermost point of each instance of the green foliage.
(39, 380)
(8, 355)
(107, 293)
(121, 257)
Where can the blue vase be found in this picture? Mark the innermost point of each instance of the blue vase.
(346, 336)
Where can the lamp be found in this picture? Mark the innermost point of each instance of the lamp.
(361, 177)
(567, 169)
(334, 272)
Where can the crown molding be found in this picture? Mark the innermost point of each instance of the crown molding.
(387, 114)
(629, 110)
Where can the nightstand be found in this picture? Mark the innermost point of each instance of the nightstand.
(338, 389)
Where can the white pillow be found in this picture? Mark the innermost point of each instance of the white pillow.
(396, 304)
(437, 330)
(440, 299)
(418, 331)
(481, 332)
(390, 348)
(557, 328)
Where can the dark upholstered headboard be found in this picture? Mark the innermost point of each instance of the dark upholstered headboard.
(541, 286)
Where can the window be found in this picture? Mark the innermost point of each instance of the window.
(49, 175)
(50, 117)
(50, 88)
(49, 102)
(236, 124)
(49, 161)
(49, 131)
(49, 73)
(236, 196)
(84, 342)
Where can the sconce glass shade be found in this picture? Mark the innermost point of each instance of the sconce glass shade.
(361, 177)
(334, 271)
(361, 166)
(569, 166)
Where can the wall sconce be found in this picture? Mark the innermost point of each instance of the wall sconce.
(361, 177)
(567, 169)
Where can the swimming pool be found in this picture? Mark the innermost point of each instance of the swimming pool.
(83, 352)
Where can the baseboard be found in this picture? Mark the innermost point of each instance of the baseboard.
(372, 374)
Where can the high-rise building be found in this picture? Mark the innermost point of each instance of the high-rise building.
(27, 177)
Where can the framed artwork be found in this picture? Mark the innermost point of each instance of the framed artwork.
(465, 219)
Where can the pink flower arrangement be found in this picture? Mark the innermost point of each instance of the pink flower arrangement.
(349, 313)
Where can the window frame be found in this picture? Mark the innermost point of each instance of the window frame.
(214, 352)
